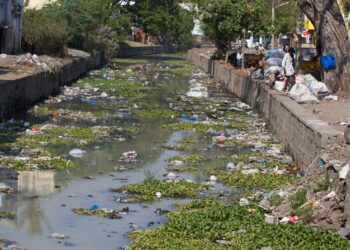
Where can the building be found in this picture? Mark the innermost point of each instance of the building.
(11, 13)
(38, 4)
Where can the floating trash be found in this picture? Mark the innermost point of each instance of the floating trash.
(77, 153)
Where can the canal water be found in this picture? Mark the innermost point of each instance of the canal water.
(126, 94)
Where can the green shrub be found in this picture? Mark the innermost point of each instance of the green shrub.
(43, 34)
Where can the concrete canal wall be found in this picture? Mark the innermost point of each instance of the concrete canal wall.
(19, 92)
(131, 51)
(304, 135)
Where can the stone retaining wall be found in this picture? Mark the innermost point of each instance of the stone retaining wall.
(303, 134)
(18, 94)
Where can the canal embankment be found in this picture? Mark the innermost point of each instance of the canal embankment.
(24, 82)
(304, 135)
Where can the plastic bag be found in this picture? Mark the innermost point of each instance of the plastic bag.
(279, 85)
(317, 87)
(276, 53)
(309, 79)
(328, 62)
(300, 79)
(274, 62)
(302, 94)
(272, 70)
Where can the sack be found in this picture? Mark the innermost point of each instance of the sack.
(279, 85)
(302, 94)
(276, 53)
(317, 87)
(328, 62)
(300, 79)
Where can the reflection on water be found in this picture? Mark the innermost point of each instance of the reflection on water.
(32, 217)
(40, 183)
(29, 186)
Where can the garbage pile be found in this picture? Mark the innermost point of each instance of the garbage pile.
(308, 89)
(29, 59)
(128, 157)
(10, 245)
(197, 89)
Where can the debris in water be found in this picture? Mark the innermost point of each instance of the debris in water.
(77, 153)
(128, 157)
(59, 236)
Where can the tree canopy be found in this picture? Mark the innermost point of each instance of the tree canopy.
(227, 20)
(165, 18)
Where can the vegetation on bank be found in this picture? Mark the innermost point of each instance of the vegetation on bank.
(208, 224)
(99, 24)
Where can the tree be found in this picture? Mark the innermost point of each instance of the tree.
(165, 18)
(227, 20)
(286, 18)
(333, 37)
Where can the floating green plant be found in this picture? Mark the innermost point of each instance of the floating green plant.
(157, 114)
(214, 226)
(203, 127)
(59, 135)
(6, 215)
(259, 180)
(186, 159)
(146, 190)
(90, 212)
(182, 169)
(42, 163)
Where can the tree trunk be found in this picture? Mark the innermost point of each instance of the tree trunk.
(333, 35)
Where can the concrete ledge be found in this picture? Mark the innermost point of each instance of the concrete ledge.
(304, 135)
(19, 93)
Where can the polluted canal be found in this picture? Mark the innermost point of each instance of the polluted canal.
(116, 152)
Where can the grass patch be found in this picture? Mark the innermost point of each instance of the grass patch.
(146, 190)
(297, 203)
(201, 227)
(322, 184)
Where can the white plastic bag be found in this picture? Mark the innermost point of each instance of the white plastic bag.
(279, 85)
(300, 79)
(316, 87)
(302, 94)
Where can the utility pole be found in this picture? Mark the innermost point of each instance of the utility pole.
(273, 20)
(273, 25)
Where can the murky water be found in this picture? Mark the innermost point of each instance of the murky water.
(44, 199)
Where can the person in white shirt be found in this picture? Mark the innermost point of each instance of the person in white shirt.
(239, 58)
(289, 71)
